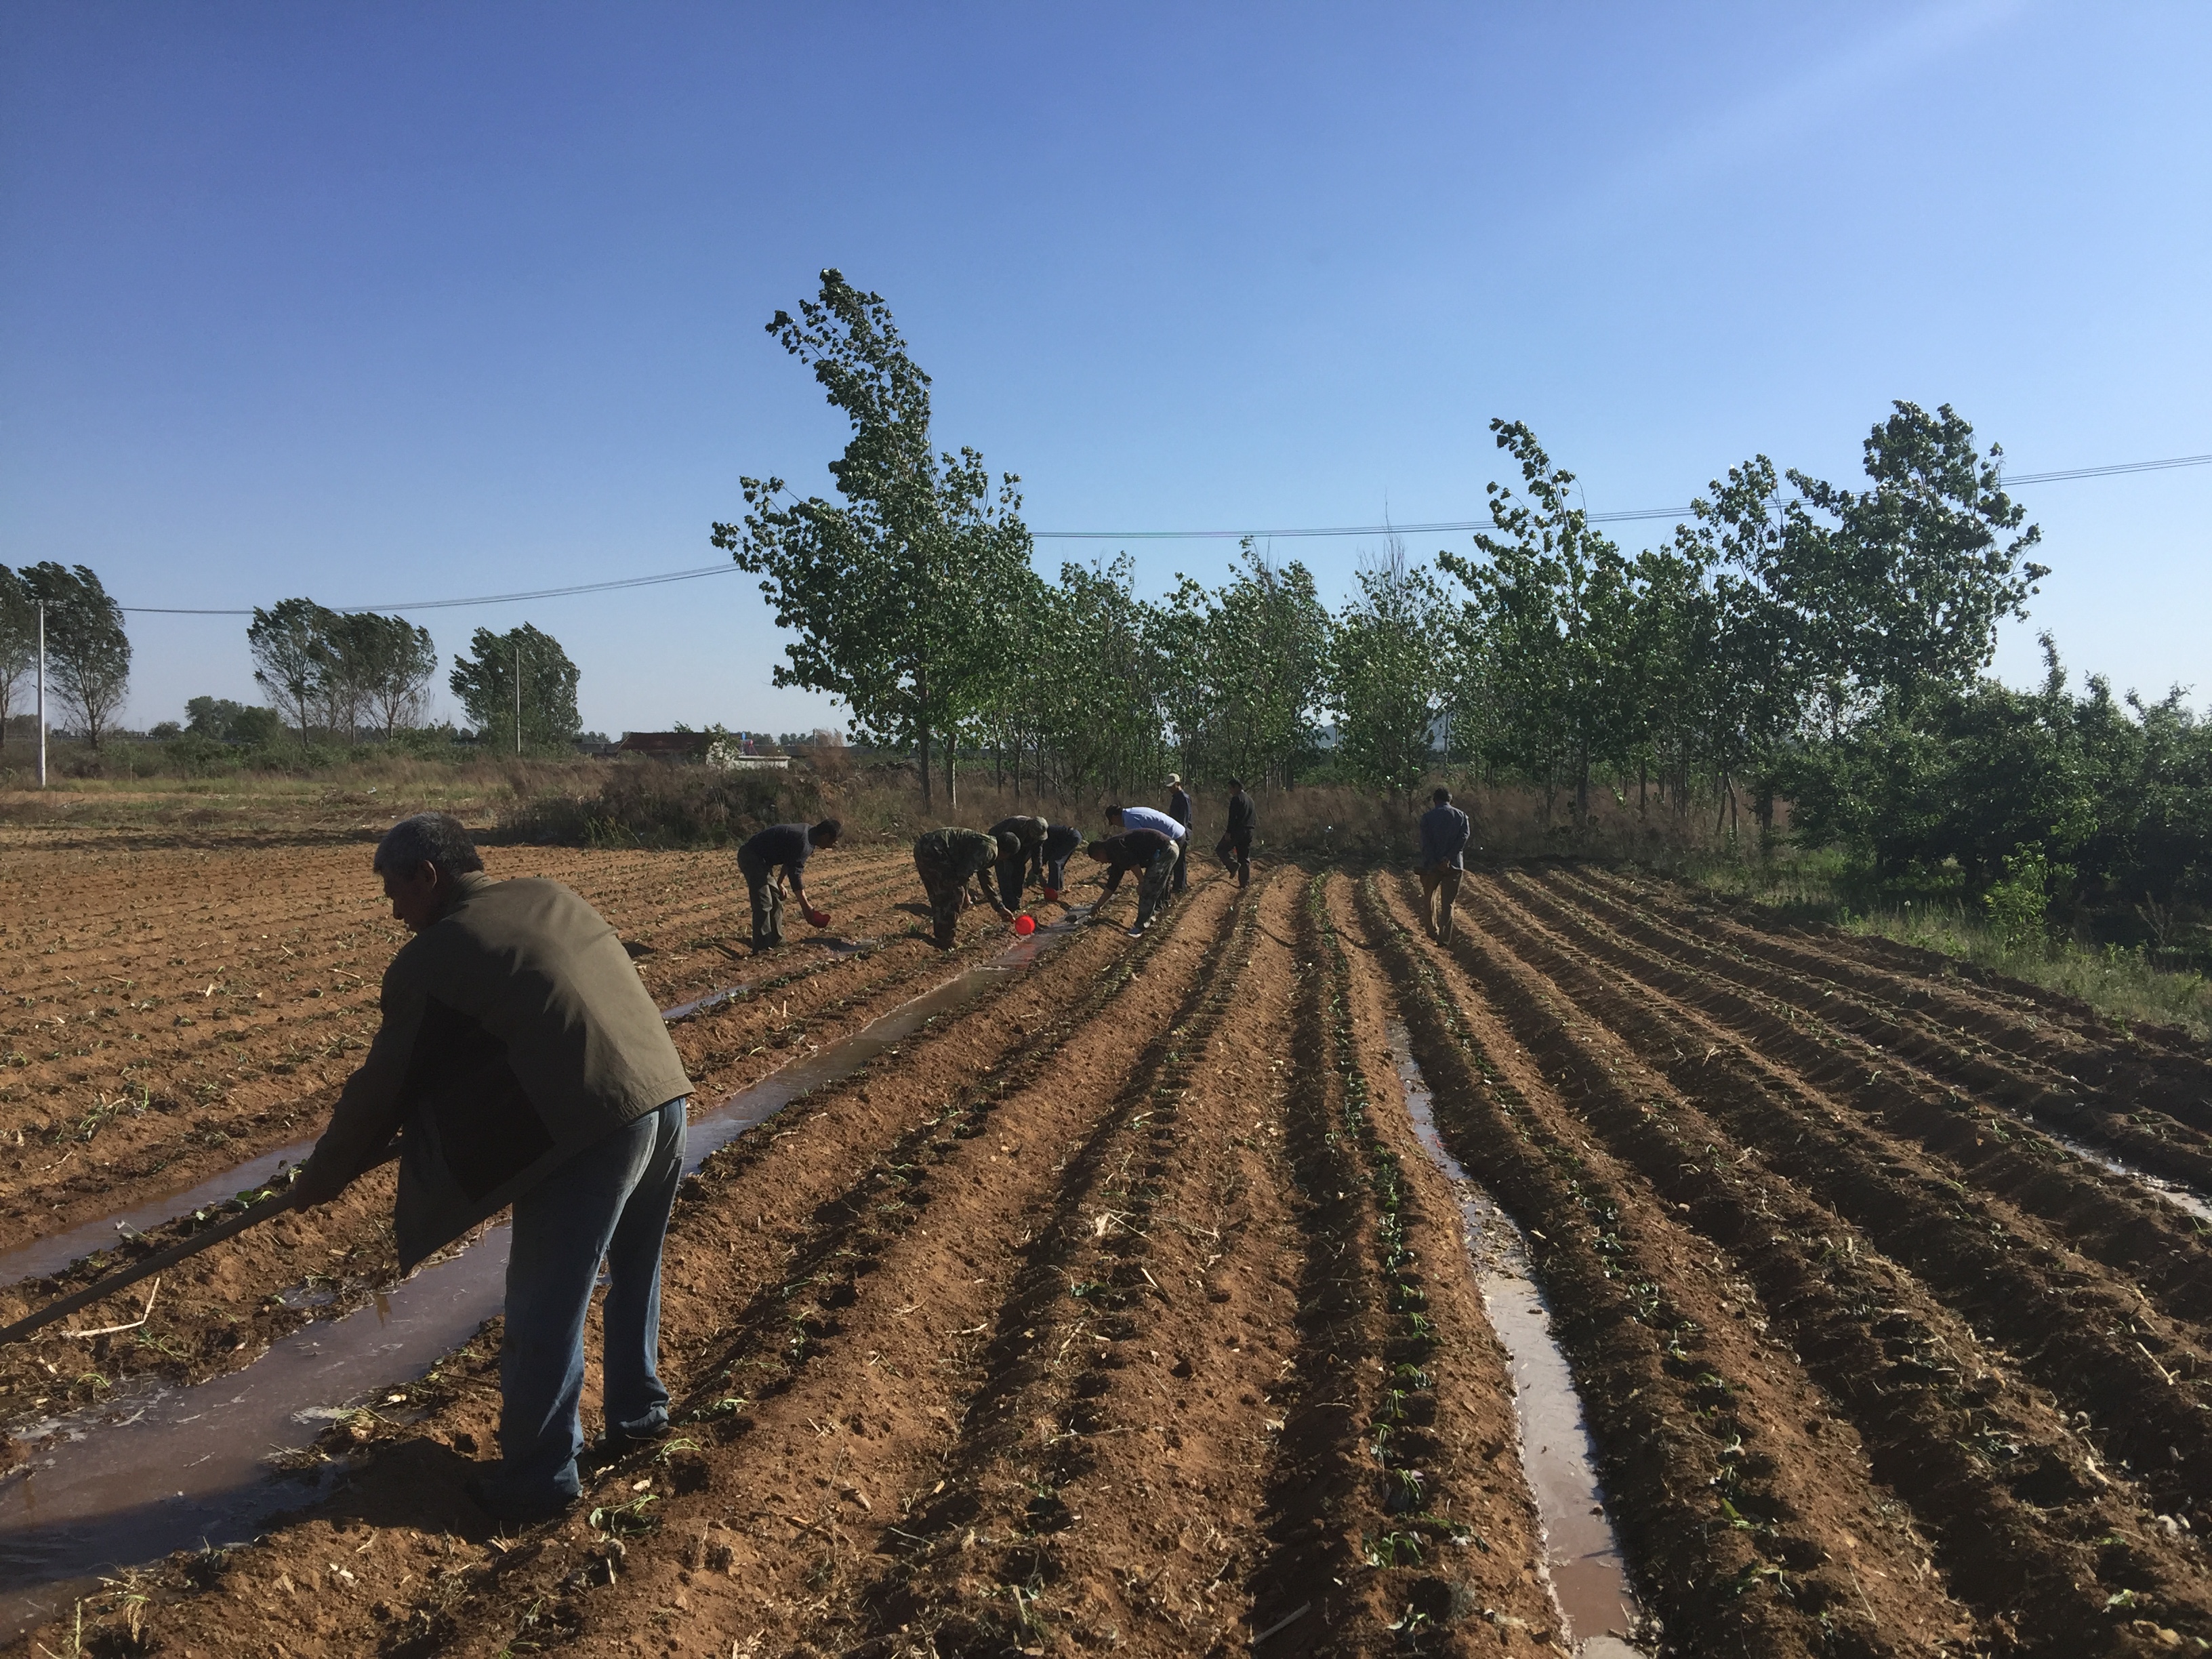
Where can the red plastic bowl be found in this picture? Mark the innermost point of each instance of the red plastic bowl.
(1024, 926)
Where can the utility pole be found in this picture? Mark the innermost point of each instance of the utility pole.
(42, 693)
(517, 699)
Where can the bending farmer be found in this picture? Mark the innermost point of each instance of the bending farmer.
(947, 860)
(1059, 844)
(1021, 855)
(774, 856)
(523, 1063)
(1444, 834)
(1149, 851)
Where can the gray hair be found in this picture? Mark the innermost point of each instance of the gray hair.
(432, 838)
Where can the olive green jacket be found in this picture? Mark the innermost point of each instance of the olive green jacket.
(516, 1033)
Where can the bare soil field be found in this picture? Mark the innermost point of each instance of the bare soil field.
(1119, 1308)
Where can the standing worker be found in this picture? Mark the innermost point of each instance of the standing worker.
(947, 860)
(1021, 855)
(781, 846)
(1179, 810)
(1059, 844)
(1152, 852)
(523, 1063)
(1234, 849)
(1445, 832)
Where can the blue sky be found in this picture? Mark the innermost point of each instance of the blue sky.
(390, 302)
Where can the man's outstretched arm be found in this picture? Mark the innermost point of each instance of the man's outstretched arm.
(370, 1107)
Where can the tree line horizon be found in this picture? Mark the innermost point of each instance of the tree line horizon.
(1793, 640)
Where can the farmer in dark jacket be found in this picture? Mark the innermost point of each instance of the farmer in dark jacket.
(774, 856)
(1059, 844)
(1179, 810)
(1021, 855)
(1234, 849)
(1445, 832)
(947, 860)
(1150, 851)
(522, 1062)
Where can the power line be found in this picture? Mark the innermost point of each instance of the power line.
(451, 605)
(1448, 527)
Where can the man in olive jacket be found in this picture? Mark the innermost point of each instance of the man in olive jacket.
(523, 1062)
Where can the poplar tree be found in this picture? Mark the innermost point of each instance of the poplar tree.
(1387, 674)
(88, 653)
(899, 593)
(19, 641)
(484, 681)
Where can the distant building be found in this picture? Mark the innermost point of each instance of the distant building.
(739, 752)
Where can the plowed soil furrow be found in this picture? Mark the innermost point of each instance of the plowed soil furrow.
(1990, 1467)
(1023, 1533)
(1735, 1484)
(224, 1307)
(1415, 1441)
(2107, 1218)
(2018, 1082)
(2163, 1071)
(827, 1222)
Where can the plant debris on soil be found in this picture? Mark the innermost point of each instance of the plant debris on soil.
(1118, 1309)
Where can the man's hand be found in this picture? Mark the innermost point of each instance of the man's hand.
(317, 1183)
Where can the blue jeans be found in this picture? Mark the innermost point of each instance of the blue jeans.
(612, 1200)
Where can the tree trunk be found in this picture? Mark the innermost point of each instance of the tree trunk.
(951, 789)
(924, 735)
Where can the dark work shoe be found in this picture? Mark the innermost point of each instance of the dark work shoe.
(620, 1441)
(515, 1509)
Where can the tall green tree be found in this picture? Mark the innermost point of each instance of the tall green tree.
(486, 684)
(1269, 635)
(1388, 676)
(289, 644)
(379, 667)
(401, 661)
(1543, 627)
(88, 653)
(1099, 693)
(1896, 591)
(19, 642)
(899, 591)
(1763, 668)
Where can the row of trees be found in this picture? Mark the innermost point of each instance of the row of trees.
(330, 672)
(912, 598)
(341, 671)
(1546, 656)
(1792, 640)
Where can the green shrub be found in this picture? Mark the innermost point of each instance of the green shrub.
(2019, 904)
